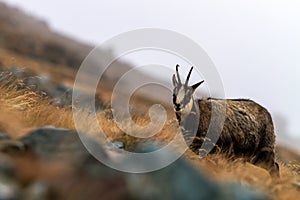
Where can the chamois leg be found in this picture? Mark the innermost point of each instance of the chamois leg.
(266, 160)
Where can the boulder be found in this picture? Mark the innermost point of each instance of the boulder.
(180, 180)
(4, 136)
(58, 143)
(9, 188)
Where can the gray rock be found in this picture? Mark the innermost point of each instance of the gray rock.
(62, 100)
(60, 89)
(118, 145)
(89, 178)
(7, 168)
(58, 143)
(4, 136)
(177, 181)
(36, 191)
(9, 189)
(181, 181)
(38, 83)
(11, 146)
(62, 95)
(17, 71)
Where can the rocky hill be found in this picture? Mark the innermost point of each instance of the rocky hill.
(42, 156)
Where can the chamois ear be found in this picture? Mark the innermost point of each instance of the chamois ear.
(175, 83)
(197, 85)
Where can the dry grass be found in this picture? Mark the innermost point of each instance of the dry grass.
(221, 169)
(27, 109)
(23, 110)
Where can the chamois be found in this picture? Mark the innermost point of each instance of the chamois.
(247, 129)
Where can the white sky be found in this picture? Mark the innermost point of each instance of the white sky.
(255, 44)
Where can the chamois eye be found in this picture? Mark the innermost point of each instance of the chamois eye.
(177, 106)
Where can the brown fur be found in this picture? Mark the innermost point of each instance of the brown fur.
(247, 131)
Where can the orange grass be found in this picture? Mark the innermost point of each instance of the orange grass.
(23, 110)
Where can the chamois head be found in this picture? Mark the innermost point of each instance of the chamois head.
(183, 95)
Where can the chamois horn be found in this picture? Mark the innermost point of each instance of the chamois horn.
(188, 76)
(178, 77)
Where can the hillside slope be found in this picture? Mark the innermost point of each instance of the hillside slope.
(49, 163)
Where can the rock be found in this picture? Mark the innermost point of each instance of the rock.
(4, 136)
(82, 176)
(11, 146)
(60, 89)
(9, 189)
(36, 191)
(58, 143)
(17, 71)
(181, 181)
(7, 168)
(63, 100)
(62, 95)
(85, 177)
(38, 83)
(118, 145)
(176, 181)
